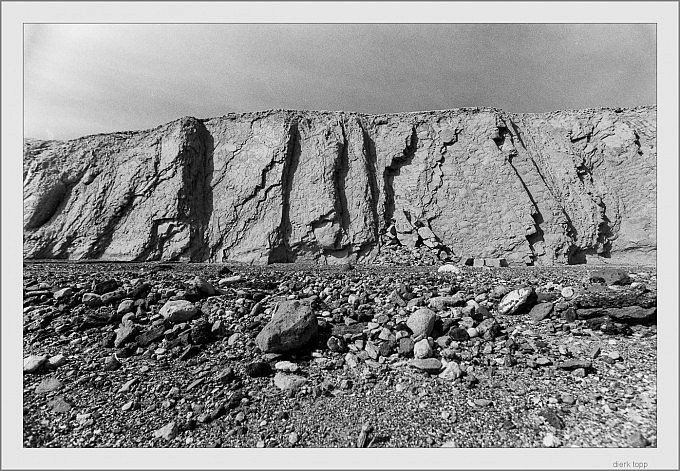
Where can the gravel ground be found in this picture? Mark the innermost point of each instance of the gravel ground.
(514, 388)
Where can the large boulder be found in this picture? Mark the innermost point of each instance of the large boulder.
(293, 326)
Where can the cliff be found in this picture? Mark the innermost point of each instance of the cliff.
(282, 186)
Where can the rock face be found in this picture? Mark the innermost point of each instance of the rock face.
(330, 187)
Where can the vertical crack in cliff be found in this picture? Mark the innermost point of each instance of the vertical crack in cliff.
(572, 251)
(371, 170)
(340, 177)
(393, 170)
(536, 236)
(280, 250)
(107, 232)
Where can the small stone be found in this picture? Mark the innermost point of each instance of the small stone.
(472, 332)
(34, 363)
(56, 361)
(517, 301)
(615, 355)
(551, 441)
(448, 268)
(637, 440)
(552, 418)
(233, 339)
(405, 347)
(125, 334)
(167, 432)
(258, 369)
(451, 371)
(541, 311)
(431, 365)
(286, 366)
(336, 345)
(200, 332)
(127, 406)
(60, 405)
(203, 286)
(126, 306)
(567, 292)
(293, 438)
(422, 349)
(289, 382)
(568, 399)
(128, 384)
(459, 334)
(483, 402)
(48, 385)
(178, 311)
(111, 363)
(92, 300)
(63, 293)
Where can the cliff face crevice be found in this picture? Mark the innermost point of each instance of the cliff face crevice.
(285, 186)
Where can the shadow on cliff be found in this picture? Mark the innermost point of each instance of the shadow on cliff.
(281, 251)
(393, 170)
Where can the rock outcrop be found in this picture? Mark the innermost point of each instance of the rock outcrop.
(283, 186)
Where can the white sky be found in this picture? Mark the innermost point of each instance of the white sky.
(84, 79)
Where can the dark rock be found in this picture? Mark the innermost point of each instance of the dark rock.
(150, 335)
(336, 345)
(459, 334)
(405, 347)
(431, 365)
(575, 364)
(258, 369)
(552, 418)
(610, 277)
(200, 331)
(106, 286)
(615, 299)
(633, 314)
(189, 352)
(111, 363)
(569, 315)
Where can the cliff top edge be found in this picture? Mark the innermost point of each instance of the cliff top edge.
(304, 113)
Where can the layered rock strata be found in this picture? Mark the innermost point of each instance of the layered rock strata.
(284, 186)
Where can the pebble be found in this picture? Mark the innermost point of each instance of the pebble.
(422, 349)
(293, 438)
(551, 441)
(167, 432)
(567, 292)
(286, 366)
